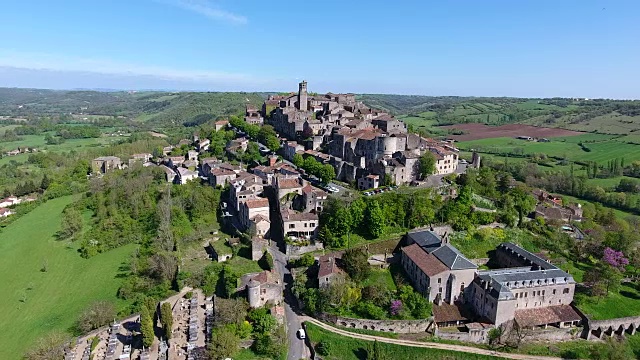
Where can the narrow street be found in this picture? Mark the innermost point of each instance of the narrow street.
(297, 348)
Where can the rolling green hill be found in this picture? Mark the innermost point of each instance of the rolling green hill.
(157, 108)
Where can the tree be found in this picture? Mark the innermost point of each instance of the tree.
(224, 343)
(523, 203)
(71, 223)
(376, 352)
(426, 164)
(230, 281)
(146, 327)
(49, 347)
(356, 264)
(613, 348)
(166, 316)
(98, 314)
(375, 219)
(262, 321)
(229, 311)
(298, 160)
(494, 336)
(326, 173)
(45, 183)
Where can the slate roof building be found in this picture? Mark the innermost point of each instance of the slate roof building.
(529, 289)
(438, 270)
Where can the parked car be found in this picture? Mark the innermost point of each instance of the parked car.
(301, 334)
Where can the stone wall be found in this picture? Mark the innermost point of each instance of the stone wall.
(597, 329)
(296, 251)
(395, 326)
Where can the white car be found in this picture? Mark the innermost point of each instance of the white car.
(301, 334)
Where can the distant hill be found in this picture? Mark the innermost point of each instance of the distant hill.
(603, 116)
(191, 108)
(160, 108)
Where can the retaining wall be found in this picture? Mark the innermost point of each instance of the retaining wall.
(396, 326)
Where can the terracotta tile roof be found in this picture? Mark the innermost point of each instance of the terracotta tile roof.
(259, 218)
(327, 266)
(221, 172)
(289, 183)
(448, 313)
(428, 263)
(288, 215)
(257, 203)
(546, 315)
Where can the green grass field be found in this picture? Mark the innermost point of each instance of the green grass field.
(624, 303)
(35, 302)
(37, 141)
(346, 348)
(381, 277)
(604, 149)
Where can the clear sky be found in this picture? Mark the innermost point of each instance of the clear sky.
(540, 48)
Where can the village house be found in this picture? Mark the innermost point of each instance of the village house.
(253, 116)
(311, 200)
(262, 288)
(10, 201)
(185, 175)
(299, 225)
(219, 177)
(140, 158)
(328, 271)
(285, 185)
(290, 148)
(203, 145)
(4, 212)
(169, 173)
(237, 145)
(220, 124)
(106, 164)
(369, 182)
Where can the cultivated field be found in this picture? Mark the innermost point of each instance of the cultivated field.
(602, 148)
(36, 302)
(474, 131)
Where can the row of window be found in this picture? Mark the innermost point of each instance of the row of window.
(293, 226)
(520, 295)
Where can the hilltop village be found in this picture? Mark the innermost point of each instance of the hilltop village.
(331, 149)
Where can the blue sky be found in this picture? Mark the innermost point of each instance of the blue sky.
(480, 48)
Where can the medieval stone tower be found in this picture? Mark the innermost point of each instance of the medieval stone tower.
(253, 293)
(302, 96)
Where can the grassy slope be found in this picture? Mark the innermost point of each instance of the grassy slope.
(619, 304)
(345, 348)
(53, 298)
(601, 151)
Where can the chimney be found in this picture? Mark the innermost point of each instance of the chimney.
(272, 160)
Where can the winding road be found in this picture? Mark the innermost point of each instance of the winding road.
(440, 346)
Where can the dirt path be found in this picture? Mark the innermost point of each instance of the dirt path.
(458, 348)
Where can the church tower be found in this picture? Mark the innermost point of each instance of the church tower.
(302, 96)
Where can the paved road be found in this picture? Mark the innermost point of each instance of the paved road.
(458, 348)
(297, 347)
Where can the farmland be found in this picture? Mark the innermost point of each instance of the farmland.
(35, 301)
(481, 131)
(602, 148)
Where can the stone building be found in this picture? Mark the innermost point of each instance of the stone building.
(312, 199)
(255, 213)
(441, 273)
(299, 225)
(369, 182)
(262, 288)
(285, 185)
(253, 116)
(328, 271)
(185, 175)
(529, 290)
(105, 164)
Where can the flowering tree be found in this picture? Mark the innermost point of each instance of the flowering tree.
(395, 307)
(615, 258)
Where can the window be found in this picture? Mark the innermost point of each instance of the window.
(312, 224)
(439, 281)
(554, 291)
(440, 290)
(292, 226)
(565, 291)
(305, 224)
(525, 294)
(543, 292)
